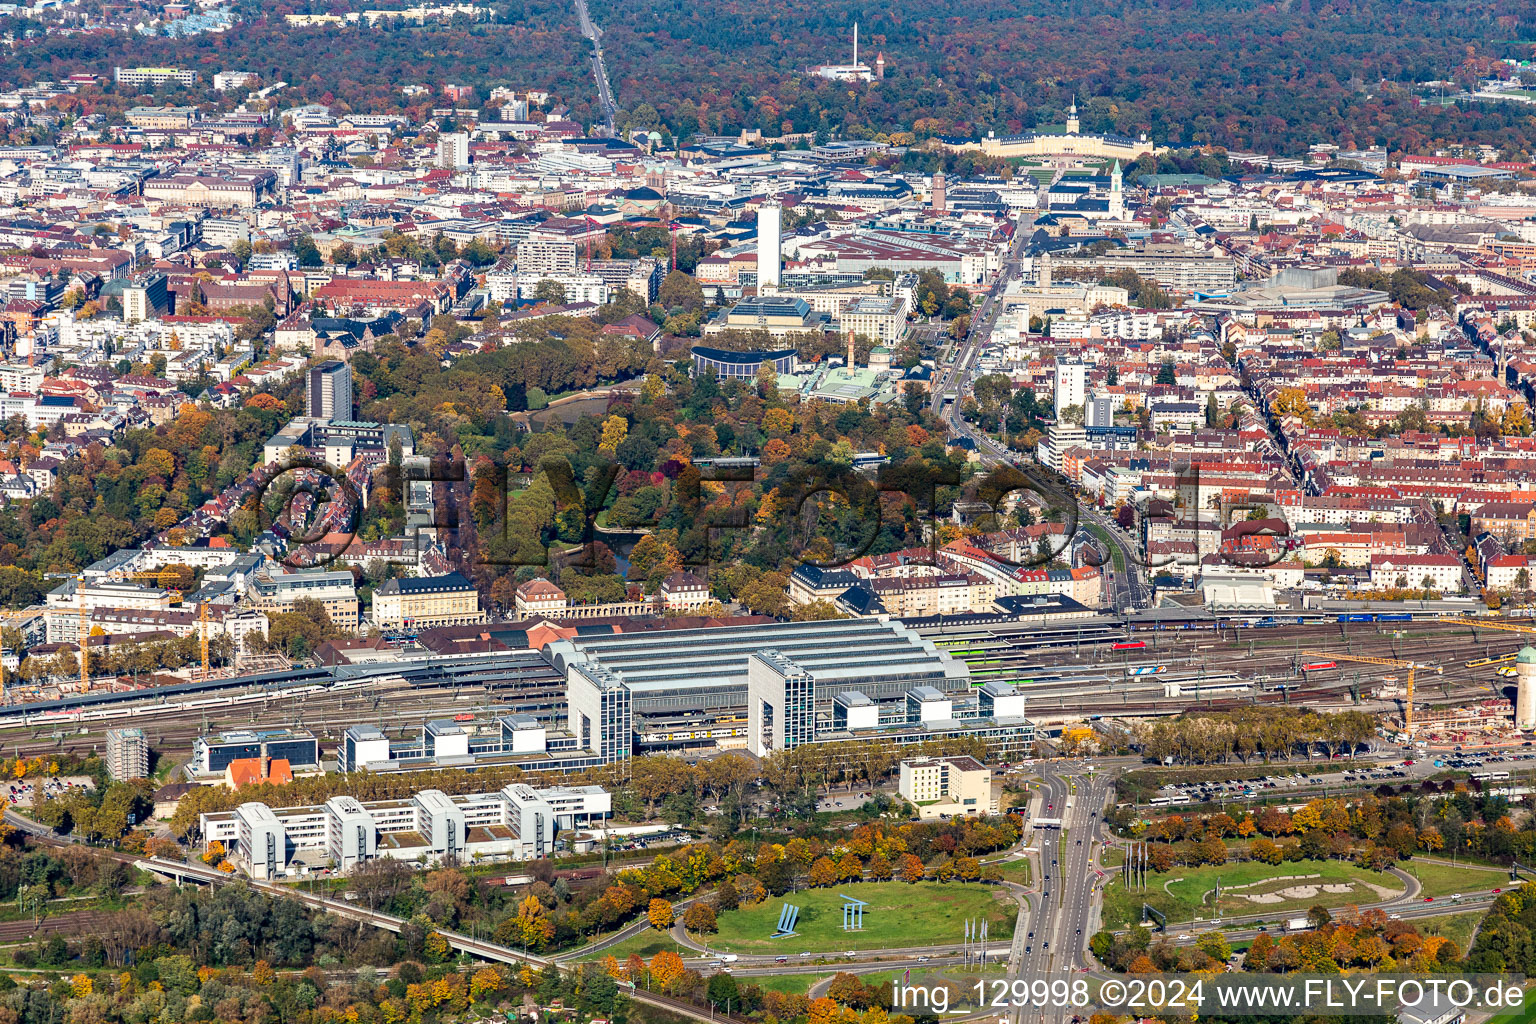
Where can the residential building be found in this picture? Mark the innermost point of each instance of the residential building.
(329, 394)
(127, 754)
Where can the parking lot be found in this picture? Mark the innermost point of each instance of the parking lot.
(24, 792)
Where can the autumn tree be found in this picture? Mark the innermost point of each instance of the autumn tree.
(699, 917)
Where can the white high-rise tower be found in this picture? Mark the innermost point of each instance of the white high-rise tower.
(769, 247)
(1116, 194)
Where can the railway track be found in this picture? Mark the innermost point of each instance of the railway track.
(71, 923)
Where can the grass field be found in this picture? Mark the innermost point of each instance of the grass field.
(1442, 879)
(1459, 928)
(1016, 871)
(1182, 893)
(1525, 1014)
(898, 915)
(791, 984)
(648, 943)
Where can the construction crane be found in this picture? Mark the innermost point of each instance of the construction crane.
(1508, 627)
(202, 636)
(1408, 724)
(161, 576)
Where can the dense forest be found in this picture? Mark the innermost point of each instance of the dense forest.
(1247, 74)
(1271, 77)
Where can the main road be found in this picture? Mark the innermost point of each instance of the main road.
(1128, 589)
(599, 67)
(1063, 916)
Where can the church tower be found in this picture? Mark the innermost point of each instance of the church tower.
(1116, 194)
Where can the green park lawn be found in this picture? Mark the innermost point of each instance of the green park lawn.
(1182, 893)
(1015, 871)
(790, 984)
(1443, 879)
(899, 915)
(648, 943)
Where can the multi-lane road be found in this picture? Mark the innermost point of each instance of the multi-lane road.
(955, 379)
(1053, 936)
(590, 29)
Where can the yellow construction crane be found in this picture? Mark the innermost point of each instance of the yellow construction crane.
(202, 636)
(1408, 725)
(161, 576)
(1508, 627)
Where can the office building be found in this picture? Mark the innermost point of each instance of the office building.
(546, 256)
(441, 822)
(127, 754)
(946, 786)
(211, 755)
(147, 297)
(336, 592)
(453, 151)
(329, 394)
(775, 315)
(517, 822)
(781, 704)
(350, 834)
(261, 844)
(425, 602)
(361, 746)
(1000, 700)
(601, 711)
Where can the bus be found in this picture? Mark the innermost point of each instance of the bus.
(1490, 776)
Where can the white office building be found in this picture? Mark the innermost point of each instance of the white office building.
(518, 822)
(261, 843)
